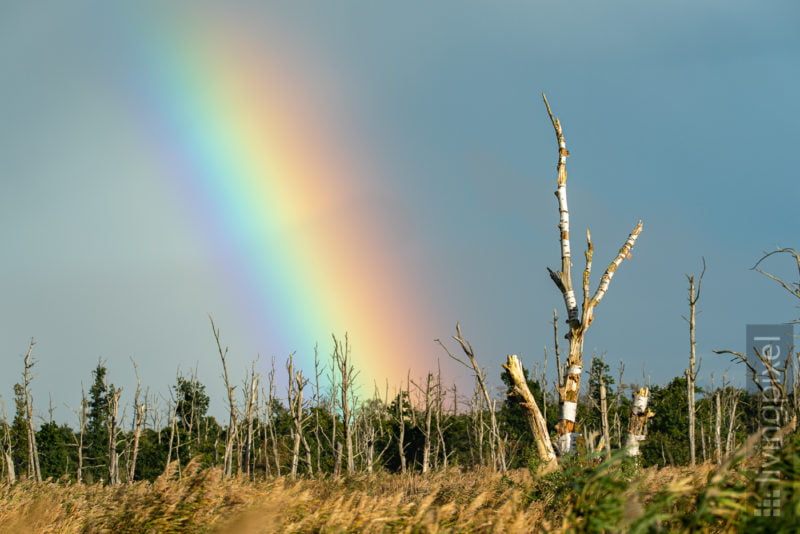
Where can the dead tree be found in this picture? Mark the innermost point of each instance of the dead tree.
(367, 434)
(604, 413)
(691, 372)
(496, 444)
(82, 416)
(478, 434)
(637, 424)
(250, 403)
(730, 441)
(172, 411)
(230, 435)
(295, 399)
(317, 410)
(401, 415)
(113, 394)
(347, 376)
(139, 413)
(718, 426)
(34, 471)
(333, 443)
(533, 415)
(268, 415)
(425, 426)
(777, 378)
(441, 425)
(8, 459)
(369, 426)
(578, 319)
(618, 404)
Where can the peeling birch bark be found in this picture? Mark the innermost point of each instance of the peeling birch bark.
(533, 415)
(578, 320)
(639, 416)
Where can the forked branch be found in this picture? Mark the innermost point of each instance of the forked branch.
(578, 319)
(794, 288)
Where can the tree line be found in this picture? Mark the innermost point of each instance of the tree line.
(322, 426)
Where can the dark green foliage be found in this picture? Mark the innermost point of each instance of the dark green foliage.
(19, 432)
(152, 455)
(96, 438)
(596, 496)
(197, 433)
(192, 402)
(57, 453)
(667, 431)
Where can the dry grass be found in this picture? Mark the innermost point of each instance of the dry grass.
(476, 501)
(202, 501)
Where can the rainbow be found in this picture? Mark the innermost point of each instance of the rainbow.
(280, 193)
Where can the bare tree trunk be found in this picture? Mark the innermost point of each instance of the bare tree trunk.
(718, 427)
(347, 373)
(33, 452)
(265, 438)
(251, 402)
(577, 320)
(691, 372)
(309, 462)
(317, 410)
(230, 435)
(295, 398)
(543, 383)
(81, 434)
(11, 475)
(703, 442)
(496, 444)
(604, 416)
(139, 413)
(270, 422)
(438, 417)
(638, 421)
(113, 430)
(476, 416)
(337, 466)
(173, 421)
(426, 449)
(730, 442)
(533, 416)
(796, 384)
(401, 421)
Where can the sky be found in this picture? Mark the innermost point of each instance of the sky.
(301, 169)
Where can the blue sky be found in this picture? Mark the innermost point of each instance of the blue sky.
(682, 114)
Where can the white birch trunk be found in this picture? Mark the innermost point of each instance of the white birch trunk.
(578, 320)
(638, 421)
